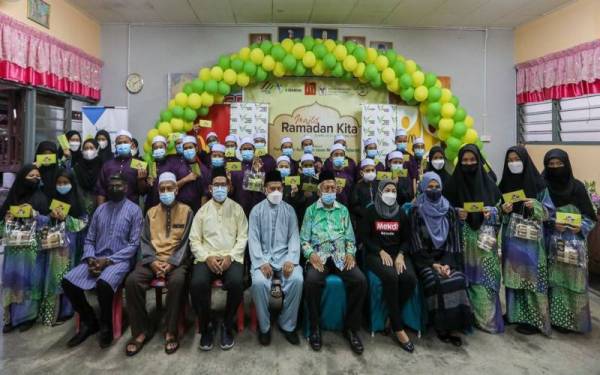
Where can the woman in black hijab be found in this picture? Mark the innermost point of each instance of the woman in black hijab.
(437, 163)
(105, 147)
(524, 260)
(471, 184)
(567, 246)
(74, 153)
(86, 173)
(48, 171)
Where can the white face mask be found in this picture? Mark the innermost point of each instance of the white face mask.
(369, 176)
(388, 198)
(515, 167)
(90, 154)
(74, 146)
(438, 164)
(275, 197)
(102, 144)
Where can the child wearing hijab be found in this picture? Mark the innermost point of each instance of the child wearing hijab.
(73, 154)
(471, 184)
(385, 232)
(105, 147)
(567, 246)
(86, 173)
(48, 172)
(436, 253)
(436, 163)
(22, 273)
(524, 261)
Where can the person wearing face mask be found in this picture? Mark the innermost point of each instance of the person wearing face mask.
(344, 175)
(179, 144)
(348, 164)
(23, 265)
(329, 246)
(121, 164)
(568, 286)
(231, 145)
(308, 147)
(385, 232)
(109, 253)
(404, 184)
(371, 152)
(401, 140)
(305, 194)
(250, 163)
(436, 254)
(104, 145)
(470, 183)
(436, 163)
(165, 257)
(274, 246)
(194, 193)
(525, 262)
(285, 170)
(73, 153)
(364, 190)
(135, 149)
(86, 173)
(48, 172)
(287, 149)
(260, 148)
(211, 139)
(218, 241)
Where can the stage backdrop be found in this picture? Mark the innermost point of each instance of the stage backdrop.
(321, 107)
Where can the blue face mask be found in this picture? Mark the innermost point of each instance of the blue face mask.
(338, 161)
(259, 145)
(179, 149)
(217, 162)
(63, 189)
(308, 149)
(284, 172)
(328, 198)
(308, 171)
(401, 146)
(247, 155)
(219, 193)
(396, 167)
(159, 153)
(419, 153)
(167, 198)
(371, 154)
(189, 154)
(288, 151)
(123, 149)
(211, 143)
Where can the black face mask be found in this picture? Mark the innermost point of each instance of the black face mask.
(31, 184)
(558, 174)
(433, 194)
(469, 168)
(115, 194)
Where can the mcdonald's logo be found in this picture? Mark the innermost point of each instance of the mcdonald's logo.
(310, 88)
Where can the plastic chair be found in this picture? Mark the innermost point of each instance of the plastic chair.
(240, 311)
(158, 285)
(333, 306)
(117, 315)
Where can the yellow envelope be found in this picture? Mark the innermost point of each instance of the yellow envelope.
(233, 166)
(196, 169)
(406, 157)
(345, 163)
(340, 182)
(205, 124)
(63, 141)
(384, 175)
(514, 196)
(260, 152)
(138, 164)
(473, 206)
(22, 211)
(309, 187)
(45, 159)
(229, 153)
(292, 180)
(61, 206)
(573, 220)
(400, 173)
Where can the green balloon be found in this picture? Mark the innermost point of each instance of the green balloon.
(450, 153)
(371, 72)
(300, 70)
(224, 88)
(479, 144)
(434, 108)
(261, 75)
(460, 114)
(320, 50)
(202, 111)
(188, 89)
(166, 115)
(156, 124)
(391, 56)
(211, 86)
(430, 79)
(350, 46)
(377, 82)
(433, 119)
(454, 100)
(435, 93)
(348, 76)
(289, 62)
(405, 81)
(360, 53)
(309, 42)
(198, 85)
(329, 61)
(278, 52)
(459, 130)
(266, 46)
(453, 143)
(399, 68)
(407, 94)
(224, 62)
(250, 68)
(189, 114)
(338, 71)
(254, 45)
(177, 111)
(237, 65)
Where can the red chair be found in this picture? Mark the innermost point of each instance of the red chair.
(158, 285)
(117, 315)
(240, 312)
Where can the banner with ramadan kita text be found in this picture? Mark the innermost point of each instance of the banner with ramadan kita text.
(320, 107)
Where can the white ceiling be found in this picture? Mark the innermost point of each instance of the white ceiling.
(402, 13)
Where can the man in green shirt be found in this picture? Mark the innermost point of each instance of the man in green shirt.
(328, 243)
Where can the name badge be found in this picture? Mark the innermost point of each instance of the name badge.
(473, 206)
(514, 196)
(292, 180)
(573, 220)
(233, 166)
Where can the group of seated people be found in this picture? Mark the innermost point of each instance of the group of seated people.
(452, 236)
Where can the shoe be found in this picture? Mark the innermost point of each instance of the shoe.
(85, 331)
(264, 338)
(526, 329)
(106, 337)
(291, 337)
(450, 339)
(315, 340)
(355, 343)
(26, 326)
(226, 338)
(406, 346)
(562, 330)
(8, 328)
(206, 339)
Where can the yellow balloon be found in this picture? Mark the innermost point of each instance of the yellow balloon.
(309, 60)
(394, 85)
(257, 55)
(360, 70)
(244, 53)
(400, 58)
(410, 66)
(287, 44)
(381, 62)
(229, 76)
(388, 75)
(243, 80)
(207, 99)
(418, 78)
(329, 44)
(438, 84)
(446, 95)
(147, 147)
(363, 80)
(298, 50)
(195, 101)
(318, 69)
(448, 110)
(176, 124)
(446, 125)
(216, 73)
(268, 63)
(371, 55)
(469, 121)
(422, 106)
(151, 134)
(350, 63)
(442, 135)
(204, 74)
(279, 70)
(340, 52)
(219, 99)
(470, 136)
(421, 93)
(187, 126)
(164, 129)
(171, 104)
(181, 99)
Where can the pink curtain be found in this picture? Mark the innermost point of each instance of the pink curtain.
(565, 74)
(34, 58)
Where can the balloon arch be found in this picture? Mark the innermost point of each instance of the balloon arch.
(328, 58)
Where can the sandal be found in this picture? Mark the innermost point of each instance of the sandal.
(276, 288)
(138, 346)
(172, 340)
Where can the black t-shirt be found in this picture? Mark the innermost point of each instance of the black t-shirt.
(391, 235)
